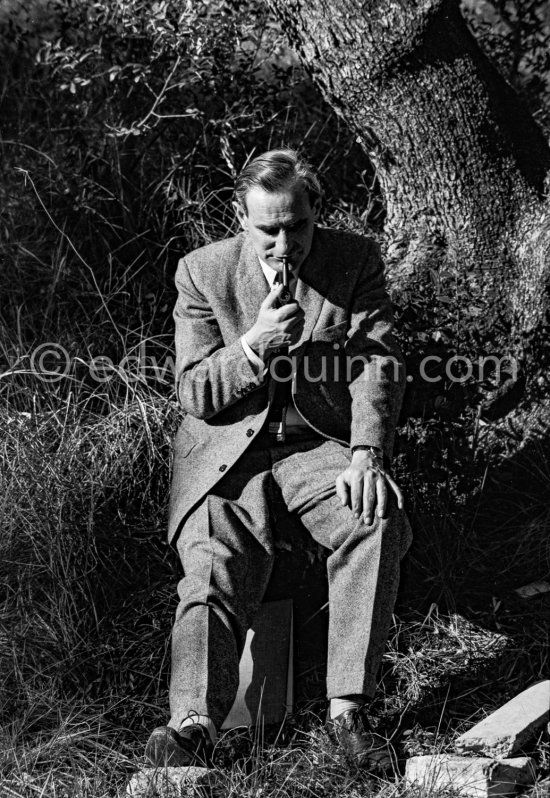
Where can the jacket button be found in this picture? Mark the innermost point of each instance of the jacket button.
(223, 467)
(249, 433)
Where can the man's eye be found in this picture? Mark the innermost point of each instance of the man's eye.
(291, 228)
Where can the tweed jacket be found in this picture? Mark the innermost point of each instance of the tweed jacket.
(348, 371)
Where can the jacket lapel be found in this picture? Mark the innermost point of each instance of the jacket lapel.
(252, 287)
(311, 289)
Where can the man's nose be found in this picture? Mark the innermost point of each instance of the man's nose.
(282, 244)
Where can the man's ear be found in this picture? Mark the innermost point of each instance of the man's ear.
(317, 208)
(241, 215)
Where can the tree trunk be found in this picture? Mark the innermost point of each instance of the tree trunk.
(460, 161)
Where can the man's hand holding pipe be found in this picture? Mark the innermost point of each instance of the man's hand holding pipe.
(276, 325)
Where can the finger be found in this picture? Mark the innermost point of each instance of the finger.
(369, 496)
(290, 324)
(290, 310)
(395, 487)
(278, 340)
(381, 496)
(272, 298)
(342, 490)
(356, 490)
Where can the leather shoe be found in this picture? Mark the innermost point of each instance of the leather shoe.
(191, 746)
(354, 735)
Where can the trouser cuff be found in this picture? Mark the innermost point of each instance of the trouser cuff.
(358, 683)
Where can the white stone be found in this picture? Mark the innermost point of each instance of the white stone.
(475, 777)
(507, 729)
(533, 589)
(169, 782)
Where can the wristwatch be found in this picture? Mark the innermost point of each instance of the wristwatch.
(374, 452)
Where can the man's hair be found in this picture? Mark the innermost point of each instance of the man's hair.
(276, 170)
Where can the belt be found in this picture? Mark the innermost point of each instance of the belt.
(279, 434)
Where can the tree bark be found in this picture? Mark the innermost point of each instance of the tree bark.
(462, 165)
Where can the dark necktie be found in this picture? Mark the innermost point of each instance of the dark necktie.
(280, 373)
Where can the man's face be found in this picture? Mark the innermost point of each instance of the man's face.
(280, 224)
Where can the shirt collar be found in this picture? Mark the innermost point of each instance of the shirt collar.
(270, 273)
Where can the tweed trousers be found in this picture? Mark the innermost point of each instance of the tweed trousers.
(227, 551)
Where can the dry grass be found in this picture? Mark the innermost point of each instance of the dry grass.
(89, 594)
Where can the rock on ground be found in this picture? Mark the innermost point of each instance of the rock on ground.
(507, 729)
(169, 782)
(478, 777)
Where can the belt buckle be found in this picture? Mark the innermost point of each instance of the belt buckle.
(278, 428)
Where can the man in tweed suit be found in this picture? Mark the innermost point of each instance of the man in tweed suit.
(317, 435)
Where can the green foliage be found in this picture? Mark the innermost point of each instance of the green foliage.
(123, 126)
(151, 110)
